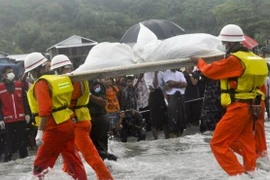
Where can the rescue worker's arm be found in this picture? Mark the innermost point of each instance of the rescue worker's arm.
(222, 69)
(43, 122)
(43, 95)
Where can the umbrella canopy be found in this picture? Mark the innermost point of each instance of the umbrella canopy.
(163, 29)
(249, 42)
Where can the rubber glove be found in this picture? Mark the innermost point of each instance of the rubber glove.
(2, 125)
(38, 138)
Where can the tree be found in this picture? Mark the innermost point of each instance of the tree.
(35, 25)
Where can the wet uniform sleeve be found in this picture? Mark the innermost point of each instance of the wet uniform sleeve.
(77, 92)
(42, 92)
(223, 69)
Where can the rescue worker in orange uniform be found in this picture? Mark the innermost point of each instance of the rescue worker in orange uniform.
(240, 73)
(260, 138)
(61, 64)
(261, 146)
(263, 161)
(49, 98)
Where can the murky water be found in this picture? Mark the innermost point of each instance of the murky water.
(186, 158)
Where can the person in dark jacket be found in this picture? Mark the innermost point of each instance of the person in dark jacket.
(100, 123)
(192, 94)
(129, 97)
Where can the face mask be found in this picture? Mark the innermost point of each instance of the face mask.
(10, 76)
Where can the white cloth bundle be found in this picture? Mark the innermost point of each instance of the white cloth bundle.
(148, 48)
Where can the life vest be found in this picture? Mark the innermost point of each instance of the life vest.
(12, 104)
(245, 87)
(80, 109)
(61, 91)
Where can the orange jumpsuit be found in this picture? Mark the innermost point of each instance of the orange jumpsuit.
(236, 124)
(260, 139)
(57, 138)
(84, 143)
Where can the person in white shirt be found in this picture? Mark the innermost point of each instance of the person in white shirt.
(157, 105)
(142, 92)
(175, 84)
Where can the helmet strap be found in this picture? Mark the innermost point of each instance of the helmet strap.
(235, 46)
(38, 72)
(60, 70)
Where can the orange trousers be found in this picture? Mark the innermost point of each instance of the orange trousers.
(59, 140)
(85, 145)
(261, 146)
(260, 139)
(235, 125)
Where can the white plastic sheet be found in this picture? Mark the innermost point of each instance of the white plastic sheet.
(189, 45)
(181, 46)
(147, 43)
(148, 49)
(106, 55)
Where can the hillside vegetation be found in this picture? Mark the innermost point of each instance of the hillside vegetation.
(35, 25)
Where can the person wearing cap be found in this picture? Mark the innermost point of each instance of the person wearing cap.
(49, 98)
(241, 72)
(61, 64)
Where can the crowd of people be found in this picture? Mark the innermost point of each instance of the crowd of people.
(221, 98)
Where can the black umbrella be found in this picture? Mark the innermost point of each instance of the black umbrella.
(163, 29)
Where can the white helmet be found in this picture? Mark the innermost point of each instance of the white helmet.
(231, 33)
(60, 60)
(33, 60)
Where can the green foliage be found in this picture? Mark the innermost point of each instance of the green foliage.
(35, 25)
(251, 15)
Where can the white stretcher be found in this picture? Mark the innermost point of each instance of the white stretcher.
(138, 68)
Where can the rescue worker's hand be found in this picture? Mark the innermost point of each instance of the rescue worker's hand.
(2, 124)
(27, 118)
(38, 138)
